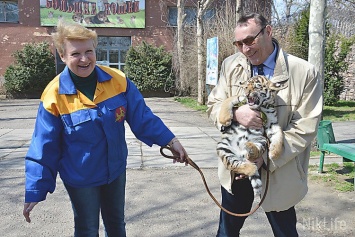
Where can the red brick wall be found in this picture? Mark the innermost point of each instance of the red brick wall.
(14, 36)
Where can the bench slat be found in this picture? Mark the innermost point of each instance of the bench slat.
(326, 143)
(346, 150)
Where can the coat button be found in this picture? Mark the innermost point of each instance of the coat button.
(99, 114)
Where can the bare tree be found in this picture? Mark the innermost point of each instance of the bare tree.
(180, 42)
(191, 75)
(341, 16)
(287, 10)
(260, 6)
(238, 8)
(316, 32)
(201, 9)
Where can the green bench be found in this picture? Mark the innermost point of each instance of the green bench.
(326, 143)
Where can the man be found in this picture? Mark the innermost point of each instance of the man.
(299, 107)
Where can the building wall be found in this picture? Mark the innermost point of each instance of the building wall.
(14, 36)
(349, 78)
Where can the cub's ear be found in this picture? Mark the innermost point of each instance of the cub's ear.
(277, 85)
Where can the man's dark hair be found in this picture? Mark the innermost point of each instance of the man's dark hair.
(259, 19)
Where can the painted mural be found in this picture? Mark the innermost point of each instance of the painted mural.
(94, 13)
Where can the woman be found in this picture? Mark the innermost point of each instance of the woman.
(80, 133)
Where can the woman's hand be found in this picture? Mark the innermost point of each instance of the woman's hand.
(178, 150)
(27, 209)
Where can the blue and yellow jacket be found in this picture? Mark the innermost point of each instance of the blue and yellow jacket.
(84, 140)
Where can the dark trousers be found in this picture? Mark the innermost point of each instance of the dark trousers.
(88, 202)
(283, 223)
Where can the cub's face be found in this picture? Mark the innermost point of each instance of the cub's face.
(259, 92)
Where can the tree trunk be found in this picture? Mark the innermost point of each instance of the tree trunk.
(262, 7)
(201, 79)
(180, 42)
(316, 32)
(238, 9)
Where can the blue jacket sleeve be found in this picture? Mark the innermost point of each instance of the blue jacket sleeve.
(145, 125)
(41, 161)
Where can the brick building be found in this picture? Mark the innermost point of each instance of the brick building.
(22, 22)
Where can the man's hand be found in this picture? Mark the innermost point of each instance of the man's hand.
(259, 162)
(247, 117)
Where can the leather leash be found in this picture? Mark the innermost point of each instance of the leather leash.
(195, 166)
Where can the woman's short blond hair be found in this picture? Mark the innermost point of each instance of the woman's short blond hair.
(71, 31)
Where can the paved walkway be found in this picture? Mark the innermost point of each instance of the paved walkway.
(162, 199)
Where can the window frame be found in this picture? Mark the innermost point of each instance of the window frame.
(191, 16)
(4, 12)
(121, 49)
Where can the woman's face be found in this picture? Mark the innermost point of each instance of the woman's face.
(79, 56)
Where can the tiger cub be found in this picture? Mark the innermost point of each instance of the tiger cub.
(239, 143)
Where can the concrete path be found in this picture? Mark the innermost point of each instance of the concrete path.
(162, 199)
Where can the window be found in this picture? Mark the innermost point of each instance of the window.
(59, 64)
(8, 11)
(191, 16)
(110, 51)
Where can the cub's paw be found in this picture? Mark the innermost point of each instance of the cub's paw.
(275, 151)
(253, 151)
(248, 169)
(226, 113)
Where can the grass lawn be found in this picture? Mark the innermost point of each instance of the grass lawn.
(337, 176)
(342, 111)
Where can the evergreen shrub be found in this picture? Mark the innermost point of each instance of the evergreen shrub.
(33, 69)
(149, 67)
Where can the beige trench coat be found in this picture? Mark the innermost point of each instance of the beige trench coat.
(299, 109)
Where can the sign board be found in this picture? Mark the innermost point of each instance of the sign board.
(212, 61)
(94, 13)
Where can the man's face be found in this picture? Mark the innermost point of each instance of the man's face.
(256, 49)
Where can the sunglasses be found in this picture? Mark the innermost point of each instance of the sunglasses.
(248, 41)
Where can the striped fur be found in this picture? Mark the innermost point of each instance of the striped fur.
(238, 143)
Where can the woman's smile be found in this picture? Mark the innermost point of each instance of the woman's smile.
(80, 57)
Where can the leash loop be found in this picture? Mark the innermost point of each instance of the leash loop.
(189, 161)
(195, 166)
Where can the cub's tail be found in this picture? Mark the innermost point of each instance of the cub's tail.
(256, 183)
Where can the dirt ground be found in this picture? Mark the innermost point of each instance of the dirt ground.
(332, 216)
(173, 208)
(163, 202)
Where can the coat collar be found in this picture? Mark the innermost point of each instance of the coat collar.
(281, 67)
(66, 84)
